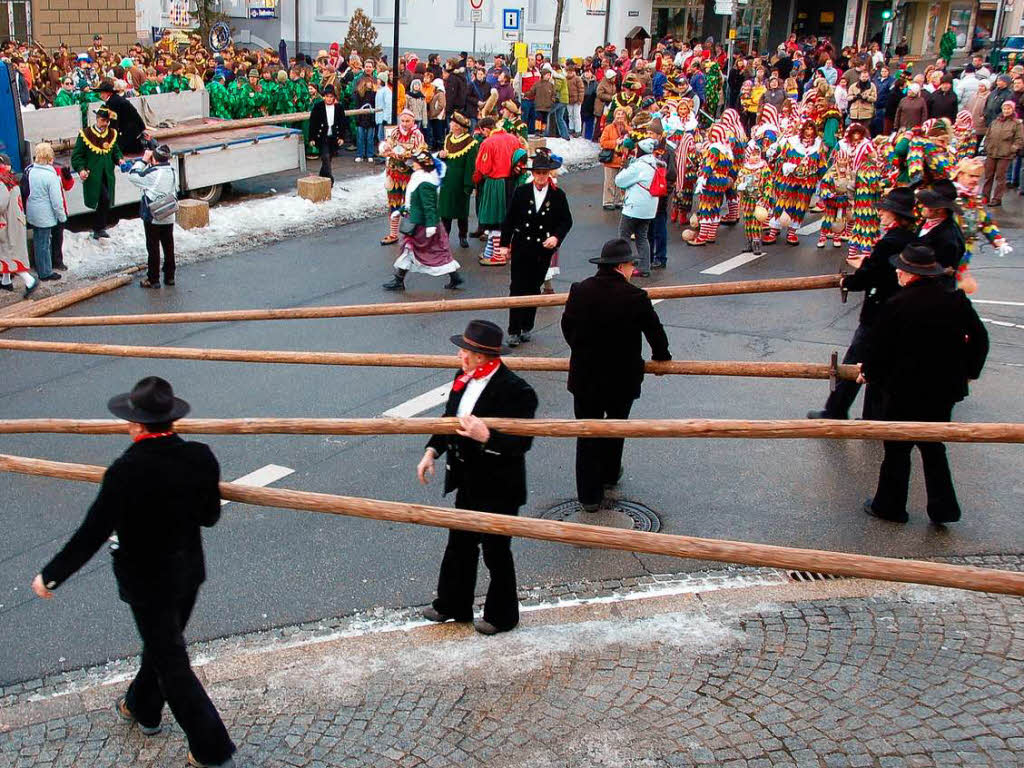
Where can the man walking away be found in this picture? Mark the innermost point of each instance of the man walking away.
(154, 175)
(156, 496)
(603, 321)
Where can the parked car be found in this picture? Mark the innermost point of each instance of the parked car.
(1013, 44)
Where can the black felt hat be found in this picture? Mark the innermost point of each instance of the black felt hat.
(941, 194)
(918, 259)
(151, 401)
(482, 336)
(899, 201)
(543, 160)
(106, 87)
(617, 251)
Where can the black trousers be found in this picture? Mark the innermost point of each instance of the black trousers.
(456, 584)
(463, 226)
(166, 675)
(158, 235)
(328, 149)
(890, 497)
(527, 270)
(102, 216)
(57, 246)
(839, 402)
(598, 459)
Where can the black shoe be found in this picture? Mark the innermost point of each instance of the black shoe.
(432, 614)
(7, 286)
(454, 281)
(168, 281)
(525, 336)
(396, 283)
(62, 267)
(659, 265)
(870, 509)
(477, 233)
(486, 628)
(149, 283)
(615, 482)
(590, 507)
(121, 708)
(823, 415)
(642, 273)
(463, 242)
(101, 233)
(943, 519)
(51, 276)
(513, 340)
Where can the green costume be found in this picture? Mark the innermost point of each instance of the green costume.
(515, 127)
(96, 153)
(176, 84)
(245, 100)
(150, 87)
(457, 184)
(64, 99)
(220, 100)
(423, 205)
(712, 89)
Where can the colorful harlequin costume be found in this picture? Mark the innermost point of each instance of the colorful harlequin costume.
(688, 162)
(767, 131)
(712, 183)
(398, 147)
(835, 191)
(965, 140)
(928, 157)
(738, 138)
(974, 220)
(864, 226)
(753, 182)
(798, 168)
(789, 120)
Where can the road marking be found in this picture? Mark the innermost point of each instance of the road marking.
(1001, 303)
(1002, 323)
(417, 405)
(736, 261)
(261, 477)
(807, 229)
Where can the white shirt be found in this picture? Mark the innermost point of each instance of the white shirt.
(472, 393)
(330, 116)
(538, 196)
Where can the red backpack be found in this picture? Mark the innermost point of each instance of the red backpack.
(659, 184)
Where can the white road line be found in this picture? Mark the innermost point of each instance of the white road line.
(736, 261)
(1001, 303)
(261, 477)
(417, 405)
(1002, 323)
(807, 229)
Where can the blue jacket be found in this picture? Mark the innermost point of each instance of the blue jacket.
(636, 179)
(382, 101)
(45, 204)
(658, 80)
(882, 87)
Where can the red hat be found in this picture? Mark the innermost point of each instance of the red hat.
(334, 47)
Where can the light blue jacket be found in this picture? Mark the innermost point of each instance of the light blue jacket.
(382, 101)
(636, 179)
(45, 204)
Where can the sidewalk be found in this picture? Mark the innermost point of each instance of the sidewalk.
(741, 667)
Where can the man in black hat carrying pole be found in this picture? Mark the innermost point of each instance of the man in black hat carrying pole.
(130, 126)
(605, 317)
(940, 231)
(537, 223)
(94, 157)
(925, 346)
(876, 276)
(325, 119)
(487, 471)
(155, 496)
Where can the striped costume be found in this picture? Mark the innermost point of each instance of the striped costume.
(965, 140)
(799, 166)
(752, 183)
(867, 194)
(712, 183)
(397, 148)
(834, 191)
(738, 139)
(928, 158)
(687, 168)
(974, 220)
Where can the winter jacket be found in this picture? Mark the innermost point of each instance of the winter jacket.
(543, 95)
(456, 89)
(1004, 138)
(976, 106)
(45, 204)
(589, 99)
(416, 104)
(861, 98)
(912, 111)
(882, 88)
(605, 93)
(610, 138)
(943, 104)
(636, 179)
(155, 181)
(576, 88)
(382, 101)
(435, 110)
(476, 92)
(994, 105)
(561, 88)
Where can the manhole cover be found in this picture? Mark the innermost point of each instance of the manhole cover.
(616, 513)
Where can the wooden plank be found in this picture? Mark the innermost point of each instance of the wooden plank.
(29, 308)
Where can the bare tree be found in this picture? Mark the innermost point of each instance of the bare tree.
(559, 9)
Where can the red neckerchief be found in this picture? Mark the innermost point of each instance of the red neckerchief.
(930, 224)
(150, 436)
(480, 372)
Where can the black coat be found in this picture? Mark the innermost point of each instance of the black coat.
(318, 123)
(129, 124)
(925, 345)
(156, 495)
(491, 474)
(525, 229)
(876, 276)
(604, 318)
(942, 105)
(455, 89)
(948, 243)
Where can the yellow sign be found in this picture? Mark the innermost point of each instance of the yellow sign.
(732, 34)
(519, 51)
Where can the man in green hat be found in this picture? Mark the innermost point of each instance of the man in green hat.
(94, 157)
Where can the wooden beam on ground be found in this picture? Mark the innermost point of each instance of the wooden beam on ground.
(33, 309)
(785, 429)
(816, 282)
(578, 534)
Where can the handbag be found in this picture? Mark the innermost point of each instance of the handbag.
(606, 155)
(406, 226)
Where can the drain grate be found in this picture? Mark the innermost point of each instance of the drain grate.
(617, 513)
(805, 576)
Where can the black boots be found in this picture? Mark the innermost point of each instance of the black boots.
(454, 280)
(397, 283)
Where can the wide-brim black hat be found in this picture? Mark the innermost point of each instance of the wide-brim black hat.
(941, 194)
(151, 401)
(899, 201)
(918, 259)
(482, 336)
(617, 251)
(543, 160)
(105, 87)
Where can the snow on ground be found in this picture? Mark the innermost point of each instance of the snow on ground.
(257, 221)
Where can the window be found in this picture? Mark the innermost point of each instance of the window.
(332, 10)
(384, 10)
(463, 14)
(540, 15)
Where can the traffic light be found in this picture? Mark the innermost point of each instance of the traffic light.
(887, 14)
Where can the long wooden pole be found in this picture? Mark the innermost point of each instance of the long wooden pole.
(674, 367)
(926, 431)
(815, 282)
(743, 553)
(31, 309)
(246, 122)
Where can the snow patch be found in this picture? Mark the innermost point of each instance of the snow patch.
(258, 221)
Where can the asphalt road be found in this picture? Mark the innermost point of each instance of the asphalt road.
(272, 567)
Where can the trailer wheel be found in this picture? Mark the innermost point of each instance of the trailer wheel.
(209, 195)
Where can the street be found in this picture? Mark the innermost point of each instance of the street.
(270, 567)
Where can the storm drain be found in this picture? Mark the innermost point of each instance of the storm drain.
(614, 513)
(805, 576)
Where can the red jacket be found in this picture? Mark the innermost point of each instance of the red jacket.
(494, 158)
(530, 79)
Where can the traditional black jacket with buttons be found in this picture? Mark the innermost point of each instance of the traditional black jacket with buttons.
(491, 474)
(155, 497)
(525, 229)
(876, 276)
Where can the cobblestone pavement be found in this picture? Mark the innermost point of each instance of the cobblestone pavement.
(744, 668)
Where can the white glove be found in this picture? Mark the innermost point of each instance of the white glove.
(699, 186)
(1003, 247)
(431, 231)
(788, 168)
(395, 214)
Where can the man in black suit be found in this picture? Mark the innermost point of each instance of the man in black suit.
(536, 225)
(156, 496)
(603, 321)
(130, 126)
(924, 348)
(940, 232)
(487, 471)
(325, 129)
(876, 276)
